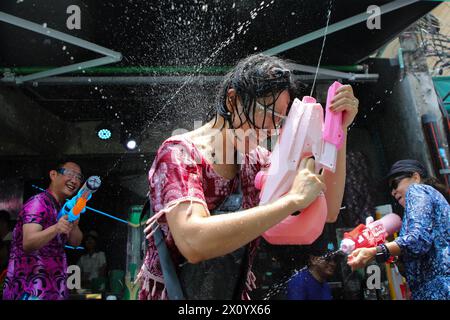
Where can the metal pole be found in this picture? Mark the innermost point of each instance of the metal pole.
(168, 80)
(111, 56)
(336, 27)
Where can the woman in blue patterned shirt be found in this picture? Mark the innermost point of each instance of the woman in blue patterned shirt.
(424, 240)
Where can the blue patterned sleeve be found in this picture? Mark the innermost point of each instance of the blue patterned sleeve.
(416, 240)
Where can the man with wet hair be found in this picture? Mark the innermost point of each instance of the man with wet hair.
(37, 264)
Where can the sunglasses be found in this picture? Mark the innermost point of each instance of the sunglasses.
(281, 117)
(395, 181)
(70, 173)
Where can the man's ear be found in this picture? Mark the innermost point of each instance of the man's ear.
(231, 100)
(416, 177)
(313, 259)
(52, 174)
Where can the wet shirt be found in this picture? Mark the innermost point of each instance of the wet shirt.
(180, 173)
(425, 241)
(41, 273)
(303, 286)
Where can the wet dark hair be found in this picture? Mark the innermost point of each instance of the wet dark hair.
(59, 163)
(254, 77)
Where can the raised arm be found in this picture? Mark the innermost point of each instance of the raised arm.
(346, 102)
(200, 236)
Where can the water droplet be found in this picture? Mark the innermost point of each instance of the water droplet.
(64, 47)
(45, 25)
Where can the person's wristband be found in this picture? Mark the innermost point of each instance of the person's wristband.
(383, 253)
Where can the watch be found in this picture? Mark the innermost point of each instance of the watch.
(382, 254)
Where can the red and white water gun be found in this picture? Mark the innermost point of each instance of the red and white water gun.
(372, 234)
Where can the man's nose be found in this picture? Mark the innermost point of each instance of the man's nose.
(75, 180)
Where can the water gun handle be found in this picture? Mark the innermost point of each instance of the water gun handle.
(67, 207)
(333, 132)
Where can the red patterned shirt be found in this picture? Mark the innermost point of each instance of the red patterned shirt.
(181, 173)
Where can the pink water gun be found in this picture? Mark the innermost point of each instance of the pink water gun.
(304, 134)
(371, 234)
(333, 134)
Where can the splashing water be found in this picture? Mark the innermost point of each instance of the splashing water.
(281, 285)
(242, 28)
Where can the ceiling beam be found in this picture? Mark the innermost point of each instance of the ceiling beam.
(110, 56)
(336, 27)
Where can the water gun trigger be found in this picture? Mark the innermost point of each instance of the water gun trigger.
(66, 209)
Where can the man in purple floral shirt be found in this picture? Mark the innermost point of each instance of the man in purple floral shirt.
(37, 263)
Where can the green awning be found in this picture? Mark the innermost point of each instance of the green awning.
(442, 85)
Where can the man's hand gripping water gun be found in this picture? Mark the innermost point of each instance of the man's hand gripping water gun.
(74, 207)
(304, 134)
